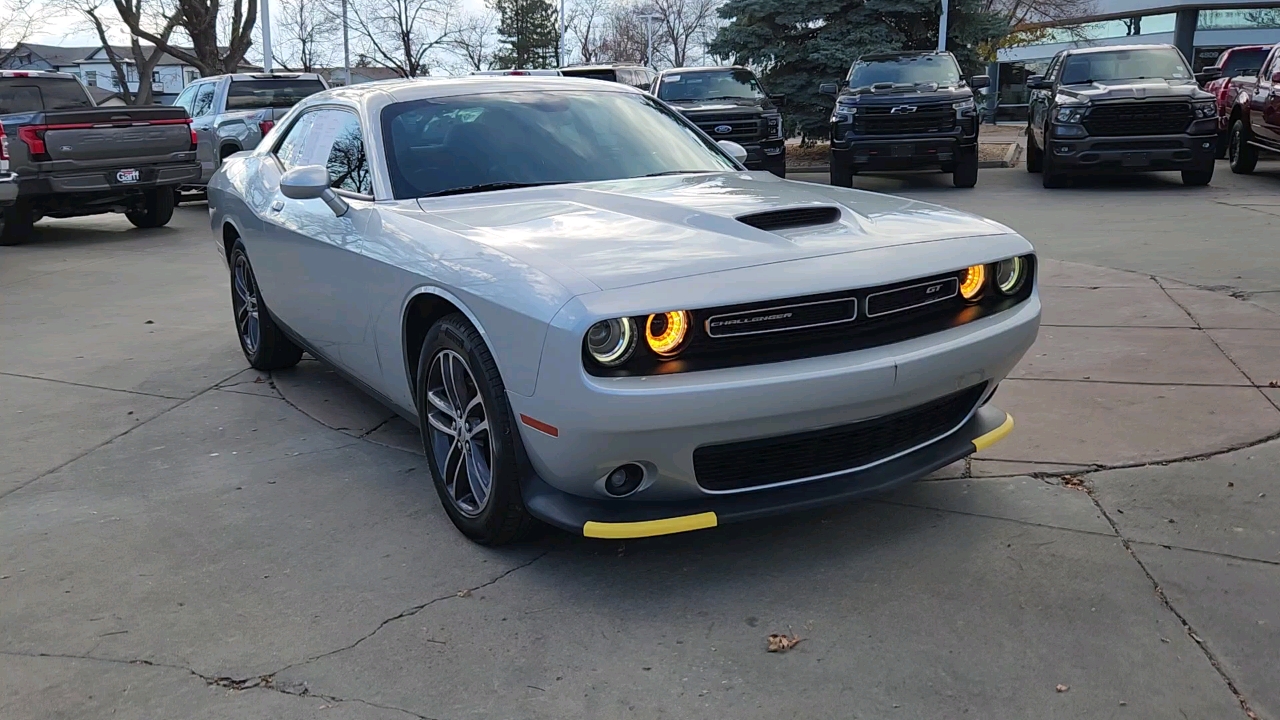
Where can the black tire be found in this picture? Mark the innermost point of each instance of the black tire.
(1197, 178)
(261, 340)
(1223, 144)
(16, 224)
(500, 517)
(177, 197)
(841, 173)
(156, 209)
(1050, 177)
(965, 173)
(1244, 157)
(1035, 156)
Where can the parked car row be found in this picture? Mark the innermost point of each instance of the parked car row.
(1248, 109)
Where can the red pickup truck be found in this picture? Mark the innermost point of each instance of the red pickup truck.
(1254, 114)
(1243, 60)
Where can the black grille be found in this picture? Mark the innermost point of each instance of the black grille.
(1138, 119)
(1138, 145)
(741, 127)
(924, 119)
(794, 217)
(753, 463)
(914, 296)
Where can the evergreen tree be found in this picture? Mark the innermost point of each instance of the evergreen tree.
(528, 33)
(801, 43)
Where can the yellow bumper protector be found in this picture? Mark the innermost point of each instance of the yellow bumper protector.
(986, 440)
(648, 528)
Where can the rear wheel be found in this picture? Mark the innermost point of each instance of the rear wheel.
(264, 345)
(1244, 157)
(469, 435)
(1035, 158)
(16, 223)
(965, 173)
(155, 210)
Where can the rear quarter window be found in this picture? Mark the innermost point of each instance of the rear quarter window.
(34, 94)
(276, 93)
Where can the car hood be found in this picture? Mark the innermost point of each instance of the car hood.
(631, 232)
(1135, 90)
(923, 95)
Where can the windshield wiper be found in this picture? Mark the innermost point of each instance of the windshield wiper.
(674, 172)
(727, 97)
(485, 187)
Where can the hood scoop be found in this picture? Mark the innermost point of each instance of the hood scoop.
(774, 220)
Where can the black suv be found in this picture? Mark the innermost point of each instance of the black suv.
(727, 103)
(905, 111)
(633, 75)
(1113, 109)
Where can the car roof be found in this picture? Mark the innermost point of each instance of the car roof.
(36, 74)
(1117, 48)
(702, 68)
(900, 54)
(267, 76)
(602, 66)
(405, 89)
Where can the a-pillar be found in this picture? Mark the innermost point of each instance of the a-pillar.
(1184, 32)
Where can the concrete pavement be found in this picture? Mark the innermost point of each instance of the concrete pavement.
(182, 537)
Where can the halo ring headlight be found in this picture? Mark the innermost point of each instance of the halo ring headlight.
(1010, 274)
(611, 342)
(666, 332)
(973, 281)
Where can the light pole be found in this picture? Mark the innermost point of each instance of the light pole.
(942, 28)
(560, 44)
(648, 37)
(346, 45)
(266, 36)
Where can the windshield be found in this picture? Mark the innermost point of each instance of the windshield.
(1164, 63)
(910, 70)
(439, 145)
(721, 85)
(1241, 60)
(275, 93)
(31, 94)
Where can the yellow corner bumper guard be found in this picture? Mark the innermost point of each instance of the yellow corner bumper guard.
(986, 440)
(648, 528)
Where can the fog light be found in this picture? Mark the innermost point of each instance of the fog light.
(624, 480)
(1062, 149)
(1205, 146)
(974, 279)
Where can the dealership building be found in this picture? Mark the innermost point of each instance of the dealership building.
(1200, 28)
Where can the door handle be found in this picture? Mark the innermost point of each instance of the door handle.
(277, 206)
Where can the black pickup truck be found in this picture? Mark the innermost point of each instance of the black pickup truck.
(905, 111)
(728, 103)
(68, 157)
(1133, 108)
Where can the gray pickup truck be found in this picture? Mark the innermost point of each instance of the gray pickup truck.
(231, 113)
(69, 158)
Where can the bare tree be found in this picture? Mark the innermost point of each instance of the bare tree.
(200, 21)
(17, 25)
(140, 60)
(305, 32)
(405, 35)
(681, 24)
(587, 21)
(476, 41)
(624, 38)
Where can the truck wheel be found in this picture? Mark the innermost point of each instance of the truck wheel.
(1035, 158)
(965, 173)
(1224, 142)
(156, 209)
(16, 224)
(841, 174)
(1197, 178)
(1051, 178)
(1244, 157)
(263, 344)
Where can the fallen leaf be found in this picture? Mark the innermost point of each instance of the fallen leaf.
(464, 593)
(783, 643)
(1274, 383)
(1062, 688)
(1073, 482)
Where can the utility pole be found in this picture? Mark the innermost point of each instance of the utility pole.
(266, 36)
(346, 44)
(942, 28)
(560, 42)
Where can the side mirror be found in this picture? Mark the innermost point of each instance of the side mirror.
(1037, 82)
(311, 182)
(779, 100)
(736, 151)
(1208, 75)
(828, 89)
(977, 82)
(1275, 77)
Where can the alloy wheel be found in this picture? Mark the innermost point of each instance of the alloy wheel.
(245, 304)
(458, 429)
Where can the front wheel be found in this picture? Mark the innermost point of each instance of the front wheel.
(1223, 144)
(1051, 177)
(841, 173)
(155, 210)
(1197, 178)
(16, 223)
(263, 343)
(1244, 157)
(1035, 157)
(471, 441)
(965, 173)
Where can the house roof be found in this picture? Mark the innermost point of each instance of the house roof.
(125, 53)
(58, 55)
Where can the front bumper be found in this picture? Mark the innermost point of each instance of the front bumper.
(8, 188)
(1133, 154)
(865, 153)
(768, 155)
(618, 520)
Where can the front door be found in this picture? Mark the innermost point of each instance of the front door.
(308, 253)
(202, 116)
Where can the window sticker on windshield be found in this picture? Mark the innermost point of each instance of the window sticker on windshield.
(673, 78)
(1177, 75)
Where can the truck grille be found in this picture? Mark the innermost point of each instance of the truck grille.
(923, 119)
(754, 463)
(741, 127)
(1139, 119)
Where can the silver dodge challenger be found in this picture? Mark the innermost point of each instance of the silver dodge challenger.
(599, 320)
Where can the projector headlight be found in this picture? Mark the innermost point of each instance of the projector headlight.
(666, 332)
(611, 342)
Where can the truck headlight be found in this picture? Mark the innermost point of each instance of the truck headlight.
(1070, 114)
(964, 105)
(1206, 110)
(774, 123)
(611, 342)
(843, 113)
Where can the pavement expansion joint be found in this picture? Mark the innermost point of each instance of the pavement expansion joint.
(1164, 600)
(987, 516)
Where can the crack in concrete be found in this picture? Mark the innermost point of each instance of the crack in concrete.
(89, 386)
(1227, 556)
(1247, 383)
(967, 513)
(1164, 599)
